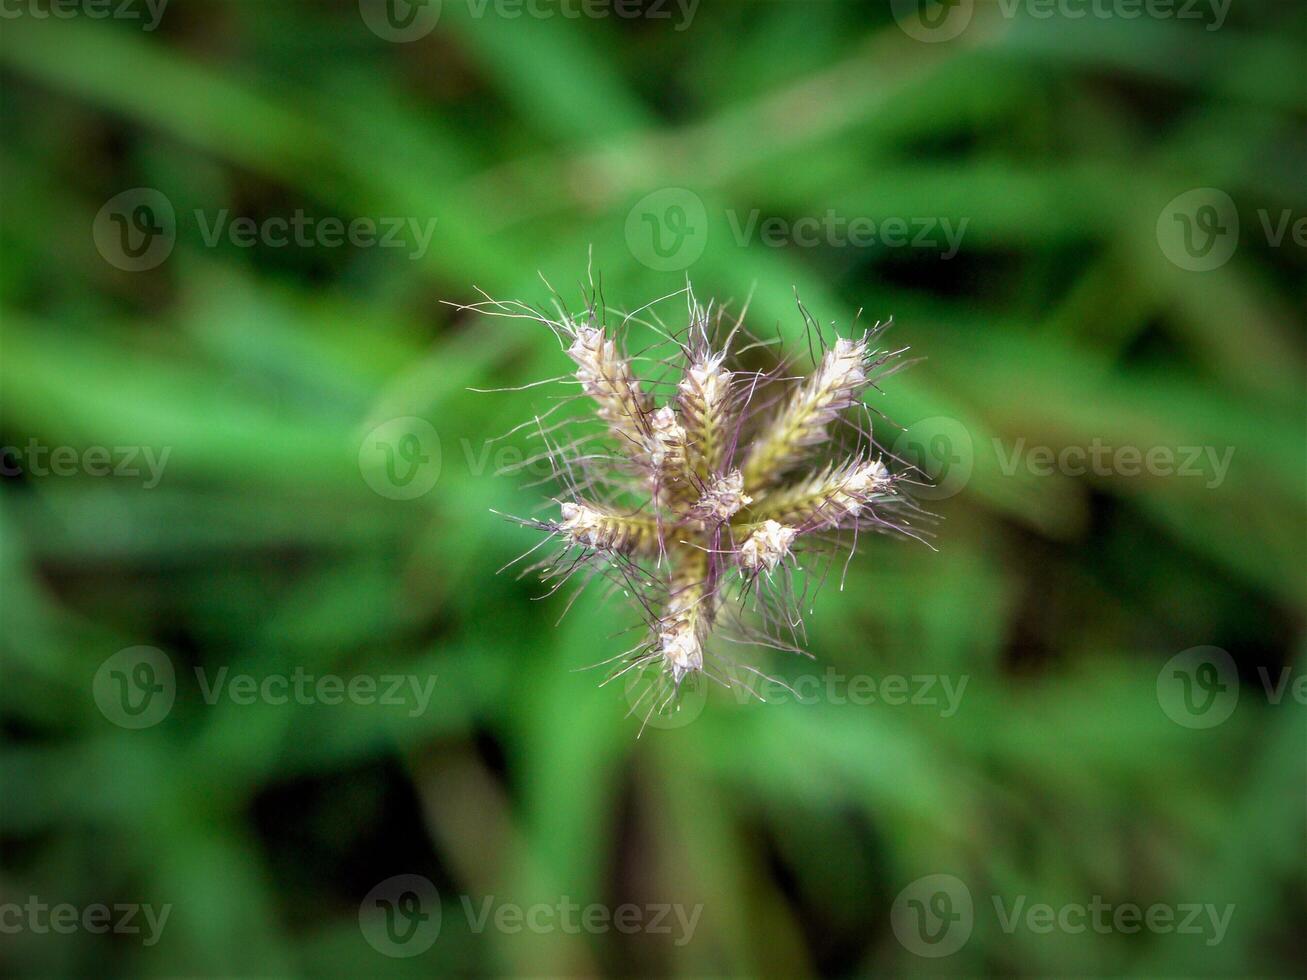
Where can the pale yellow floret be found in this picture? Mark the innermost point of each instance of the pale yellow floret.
(592, 527)
(722, 500)
(606, 376)
(702, 397)
(766, 547)
(836, 384)
(827, 499)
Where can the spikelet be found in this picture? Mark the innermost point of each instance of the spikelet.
(837, 384)
(718, 492)
(702, 399)
(592, 527)
(830, 498)
(723, 498)
(691, 609)
(766, 546)
(606, 376)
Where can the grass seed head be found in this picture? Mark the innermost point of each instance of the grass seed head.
(720, 492)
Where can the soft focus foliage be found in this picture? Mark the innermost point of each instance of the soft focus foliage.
(1058, 592)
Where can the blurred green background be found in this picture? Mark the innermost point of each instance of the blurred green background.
(1093, 300)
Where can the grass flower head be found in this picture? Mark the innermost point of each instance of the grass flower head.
(702, 488)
